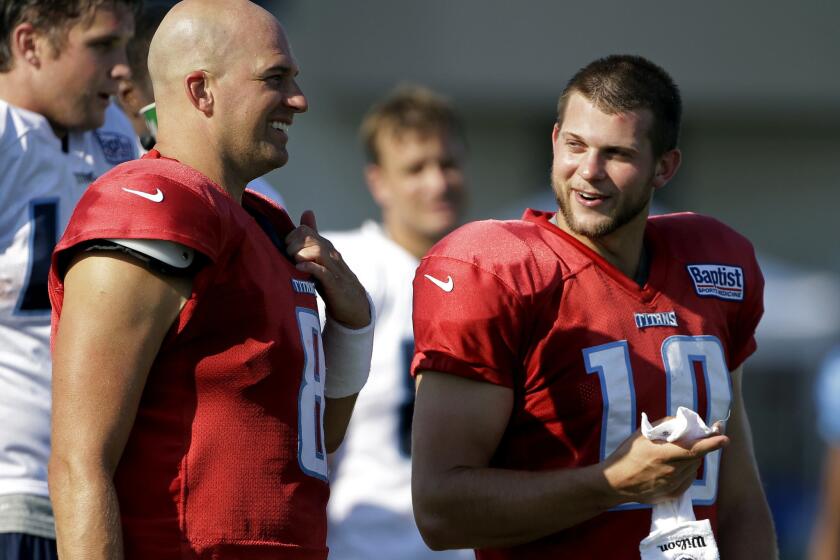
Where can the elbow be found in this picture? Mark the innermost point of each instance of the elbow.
(58, 474)
(62, 476)
(70, 475)
(336, 419)
(331, 444)
(436, 521)
(433, 531)
(334, 434)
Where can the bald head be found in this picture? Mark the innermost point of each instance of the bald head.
(224, 80)
(207, 35)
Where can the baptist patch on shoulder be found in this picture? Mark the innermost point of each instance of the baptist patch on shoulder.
(304, 287)
(115, 147)
(718, 280)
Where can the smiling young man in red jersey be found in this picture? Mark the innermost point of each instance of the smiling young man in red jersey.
(189, 304)
(540, 342)
(60, 62)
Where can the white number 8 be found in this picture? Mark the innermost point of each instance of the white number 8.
(311, 455)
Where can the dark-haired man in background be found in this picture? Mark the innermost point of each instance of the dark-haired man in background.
(135, 91)
(540, 342)
(60, 63)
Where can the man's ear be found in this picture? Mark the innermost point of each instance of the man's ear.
(198, 91)
(555, 134)
(666, 167)
(376, 185)
(127, 97)
(130, 101)
(27, 45)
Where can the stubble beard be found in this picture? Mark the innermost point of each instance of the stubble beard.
(621, 215)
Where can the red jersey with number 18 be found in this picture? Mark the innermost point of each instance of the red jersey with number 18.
(586, 350)
(225, 457)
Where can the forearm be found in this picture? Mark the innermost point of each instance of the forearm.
(477, 507)
(336, 419)
(347, 353)
(87, 515)
(461, 502)
(742, 507)
(745, 530)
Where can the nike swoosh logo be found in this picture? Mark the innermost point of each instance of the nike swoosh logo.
(447, 286)
(157, 196)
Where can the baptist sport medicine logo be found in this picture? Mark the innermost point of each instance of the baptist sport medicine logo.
(718, 280)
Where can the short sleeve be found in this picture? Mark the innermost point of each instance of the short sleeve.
(749, 313)
(133, 204)
(465, 322)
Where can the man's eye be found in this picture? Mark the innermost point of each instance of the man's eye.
(620, 154)
(104, 45)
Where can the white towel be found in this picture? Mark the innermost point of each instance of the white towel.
(675, 534)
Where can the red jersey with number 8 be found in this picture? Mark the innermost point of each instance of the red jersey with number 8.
(225, 456)
(586, 350)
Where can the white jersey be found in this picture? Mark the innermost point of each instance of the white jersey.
(370, 515)
(42, 179)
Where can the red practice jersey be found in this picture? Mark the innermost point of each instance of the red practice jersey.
(225, 458)
(585, 350)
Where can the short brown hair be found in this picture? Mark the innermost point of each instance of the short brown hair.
(145, 25)
(409, 108)
(621, 83)
(53, 17)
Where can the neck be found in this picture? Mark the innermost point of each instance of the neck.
(208, 163)
(416, 245)
(623, 248)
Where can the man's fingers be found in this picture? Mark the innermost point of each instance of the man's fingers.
(684, 486)
(304, 243)
(709, 444)
(661, 420)
(308, 219)
(313, 268)
(304, 250)
(299, 238)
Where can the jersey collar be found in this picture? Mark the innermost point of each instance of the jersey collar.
(653, 246)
